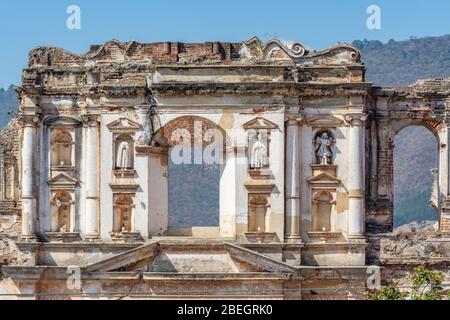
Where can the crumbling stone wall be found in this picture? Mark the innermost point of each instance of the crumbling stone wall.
(10, 204)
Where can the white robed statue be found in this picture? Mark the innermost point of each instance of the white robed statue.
(123, 156)
(258, 155)
(323, 149)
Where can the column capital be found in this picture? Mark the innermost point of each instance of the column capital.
(29, 120)
(89, 119)
(294, 120)
(355, 119)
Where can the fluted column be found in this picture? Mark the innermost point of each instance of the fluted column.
(356, 219)
(92, 176)
(29, 174)
(292, 180)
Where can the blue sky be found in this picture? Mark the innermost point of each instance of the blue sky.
(25, 24)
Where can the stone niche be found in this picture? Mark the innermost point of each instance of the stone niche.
(123, 146)
(324, 186)
(123, 219)
(259, 132)
(258, 218)
(62, 207)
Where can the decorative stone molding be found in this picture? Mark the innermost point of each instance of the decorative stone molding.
(124, 125)
(294, 120)
(62, 237)
(260, 187)
(355, 119)
(324, 121)
(29, 120)
(62, 121)
(90, 119)
(195, 128)
(63, 182)
(260, 123)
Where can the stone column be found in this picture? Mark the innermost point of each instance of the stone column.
(292, 180)
(92, 177)
(29, 176)
(444, 175)
(355, 185)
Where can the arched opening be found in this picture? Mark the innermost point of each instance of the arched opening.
(416, 191)
(195, 164)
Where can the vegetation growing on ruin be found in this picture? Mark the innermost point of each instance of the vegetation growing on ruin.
(425, 284)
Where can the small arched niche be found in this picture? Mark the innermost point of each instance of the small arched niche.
(62, 205)
(258, 208)
(61, 148)
(322, 209)
(123, 214)
(124, 152)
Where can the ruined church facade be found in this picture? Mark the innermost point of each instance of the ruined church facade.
(302, 144)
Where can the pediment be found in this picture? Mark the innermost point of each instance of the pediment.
(62, 179)
(124, 125)
(324, 178)
(260, 123)
(324, 120)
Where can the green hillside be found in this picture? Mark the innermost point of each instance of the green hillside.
(415, 153)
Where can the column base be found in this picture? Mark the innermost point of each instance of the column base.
(92, 238)
(293, 239)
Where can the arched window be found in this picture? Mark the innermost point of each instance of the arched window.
(124, 152)
(62, 148)
(322, 209)
(123, 214)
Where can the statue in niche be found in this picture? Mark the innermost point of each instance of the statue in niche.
(323, 149)
(258, 155)
(123, 156)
